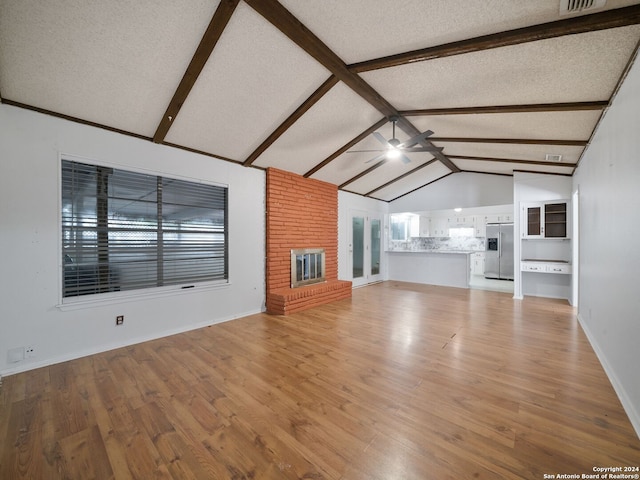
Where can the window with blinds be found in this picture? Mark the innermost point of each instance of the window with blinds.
(124, 230)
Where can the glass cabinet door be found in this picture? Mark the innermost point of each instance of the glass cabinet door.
(534, 223)
(555, 220)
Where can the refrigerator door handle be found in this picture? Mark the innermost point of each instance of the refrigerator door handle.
(500, 245)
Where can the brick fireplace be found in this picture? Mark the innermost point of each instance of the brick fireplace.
(302, 214)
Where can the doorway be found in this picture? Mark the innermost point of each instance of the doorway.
(365, 248)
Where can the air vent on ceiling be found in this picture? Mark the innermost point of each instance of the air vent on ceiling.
(553, 157)
(567, 7)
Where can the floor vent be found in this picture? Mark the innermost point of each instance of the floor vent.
(567, 7)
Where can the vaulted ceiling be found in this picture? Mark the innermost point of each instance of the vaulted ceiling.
(310, 86)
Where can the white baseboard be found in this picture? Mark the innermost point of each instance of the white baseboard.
(125, 343)
(629, 407)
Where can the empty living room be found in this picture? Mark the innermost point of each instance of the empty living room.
(279, 239)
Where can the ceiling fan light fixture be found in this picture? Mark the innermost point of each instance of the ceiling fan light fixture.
(393, 153)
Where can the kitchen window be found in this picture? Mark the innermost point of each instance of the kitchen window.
(126, 231)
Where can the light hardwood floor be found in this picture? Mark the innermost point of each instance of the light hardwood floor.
(403, 381)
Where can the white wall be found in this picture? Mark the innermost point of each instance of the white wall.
(347, 204)
(463, 190)
(30, 144)
(609, 301)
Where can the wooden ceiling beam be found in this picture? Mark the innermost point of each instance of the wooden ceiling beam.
(296, 31)
(365, 172)
(346, 147)
(528, 108)
(521, 141)
(418, 188)
(412, 131)
(619, 17)
(513, 160)
(284, 126)
(498, 173)
(208, 42)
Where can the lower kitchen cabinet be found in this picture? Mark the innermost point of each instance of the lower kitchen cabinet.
(477, 263)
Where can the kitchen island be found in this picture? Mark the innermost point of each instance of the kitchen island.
(450, 268)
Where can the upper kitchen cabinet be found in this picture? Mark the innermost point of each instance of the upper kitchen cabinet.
(480, 222)
(545, 219)
(439, 227)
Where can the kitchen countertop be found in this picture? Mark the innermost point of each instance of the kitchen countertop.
(540, 260)
(461, 252)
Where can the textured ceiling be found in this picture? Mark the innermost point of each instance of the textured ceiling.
(302, 85)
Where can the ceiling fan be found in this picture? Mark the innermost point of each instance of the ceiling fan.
(395, 149)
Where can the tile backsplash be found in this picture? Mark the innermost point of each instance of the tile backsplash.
(438, 243)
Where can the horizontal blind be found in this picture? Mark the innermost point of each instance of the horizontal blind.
(125, 230)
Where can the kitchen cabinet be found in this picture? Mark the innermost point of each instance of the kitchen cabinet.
(477, 263)
(460, 221)
(480, 226)
(425, 226)
(499, 218)
(545, 220)
(439, 227)
(480, 222)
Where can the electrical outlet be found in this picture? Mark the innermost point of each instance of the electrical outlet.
(119, 319)
(29, 352)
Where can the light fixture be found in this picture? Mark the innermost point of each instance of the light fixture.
(393, 153)
(457, 209)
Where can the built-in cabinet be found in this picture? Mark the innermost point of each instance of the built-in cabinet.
(546, 246)
(545, 220)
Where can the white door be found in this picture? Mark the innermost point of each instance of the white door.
(365, 248)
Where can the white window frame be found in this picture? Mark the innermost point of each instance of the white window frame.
(109, 298)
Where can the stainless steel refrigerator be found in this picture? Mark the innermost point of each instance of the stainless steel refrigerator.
(499, 251)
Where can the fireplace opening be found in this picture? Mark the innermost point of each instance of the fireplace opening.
(307, 266)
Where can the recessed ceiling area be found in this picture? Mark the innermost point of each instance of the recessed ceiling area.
(311, 87)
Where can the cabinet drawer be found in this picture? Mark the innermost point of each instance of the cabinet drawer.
(561, 268)
(545, 267)
(533, 267)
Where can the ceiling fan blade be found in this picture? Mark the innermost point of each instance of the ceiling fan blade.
(405, 159)
(423, 149)
(360, 151)
(381, 139)
(413, 140)
(379, 157)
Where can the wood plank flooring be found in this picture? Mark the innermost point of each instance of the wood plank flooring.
(402, 381)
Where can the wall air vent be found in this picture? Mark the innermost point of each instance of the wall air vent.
(553, 157)
(567, 7)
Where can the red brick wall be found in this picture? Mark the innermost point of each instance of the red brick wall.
(301, 213)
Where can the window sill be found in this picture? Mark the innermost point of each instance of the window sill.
(113, 298)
